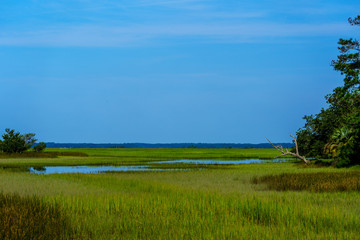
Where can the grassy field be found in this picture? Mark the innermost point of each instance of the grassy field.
(128, 156)
(229, 203)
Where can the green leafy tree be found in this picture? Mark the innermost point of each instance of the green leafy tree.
(40, 147)
(13, 142)
(335, 131)
(30, 140)
(348, 64)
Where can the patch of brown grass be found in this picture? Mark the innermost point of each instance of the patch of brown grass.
(313, 182)
(29, 218)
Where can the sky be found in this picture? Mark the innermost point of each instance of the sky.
(168, 71)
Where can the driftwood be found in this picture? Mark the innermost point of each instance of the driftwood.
(287, 152)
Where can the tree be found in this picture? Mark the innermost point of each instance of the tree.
(30, 140)
(13, 142)
(40, 147)
(335, 131)
(348, 64)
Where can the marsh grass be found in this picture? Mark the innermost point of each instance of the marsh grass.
(31, 154)
(190, 215)
(175, 153)
(314, 182)
(214, 203)
(31, 218)
(70, 154)
(129, 157)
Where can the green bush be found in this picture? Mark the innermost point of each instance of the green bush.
(40, 147)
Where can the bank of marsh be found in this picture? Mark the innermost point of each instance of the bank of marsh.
(210, 204)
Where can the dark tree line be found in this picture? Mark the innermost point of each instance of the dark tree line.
(335, 131)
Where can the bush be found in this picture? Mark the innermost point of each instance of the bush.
(40, 147)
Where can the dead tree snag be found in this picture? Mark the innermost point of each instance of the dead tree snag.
(287, 152)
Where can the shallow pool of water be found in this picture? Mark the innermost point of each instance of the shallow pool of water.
(90, 169)
(242, 161)
(104, 169)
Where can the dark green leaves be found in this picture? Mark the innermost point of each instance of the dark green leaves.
(335, 131)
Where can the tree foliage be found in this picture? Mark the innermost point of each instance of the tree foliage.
(30, 140)
(335, 131)
(40, 147)
(14, 142)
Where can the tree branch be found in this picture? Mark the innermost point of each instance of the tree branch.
(287, 152)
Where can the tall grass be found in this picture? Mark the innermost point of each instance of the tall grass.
(177, 153)
(212, 204)
(30, 218)
(172, 214)
(206, 204)
(31, 154)
(314, 182)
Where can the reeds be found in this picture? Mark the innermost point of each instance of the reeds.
(314, 182)
(70, 154)
(30, 218)
(31, 154)
(209, 204)
(177, 153)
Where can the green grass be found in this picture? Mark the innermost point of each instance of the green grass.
(176, 153)
(48, 154)
(72, 157)
(204, 204)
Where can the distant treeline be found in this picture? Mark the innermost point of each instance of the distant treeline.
(164, 145)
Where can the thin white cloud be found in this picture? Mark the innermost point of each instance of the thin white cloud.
(147, 34)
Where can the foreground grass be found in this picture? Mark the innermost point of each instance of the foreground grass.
(203, 204)
(31, 218)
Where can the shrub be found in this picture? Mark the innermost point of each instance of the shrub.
(40, 147)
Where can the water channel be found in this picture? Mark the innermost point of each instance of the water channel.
(104, 169)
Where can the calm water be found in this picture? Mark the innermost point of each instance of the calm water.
(90, 169)
(243, 161)
(104, 169)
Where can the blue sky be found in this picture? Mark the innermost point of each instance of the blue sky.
(166, 71)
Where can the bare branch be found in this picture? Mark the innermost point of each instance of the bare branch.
(281, 149)
(296, 145)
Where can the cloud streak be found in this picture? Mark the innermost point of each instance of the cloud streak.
(105, 36)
